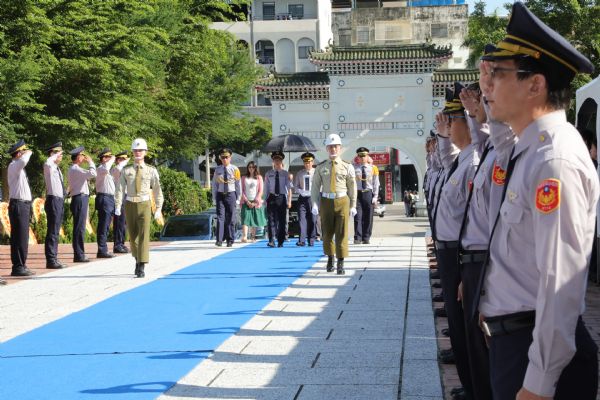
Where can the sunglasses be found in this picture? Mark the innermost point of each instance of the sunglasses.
(223, 157)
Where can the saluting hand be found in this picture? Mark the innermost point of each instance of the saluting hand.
(525, 394)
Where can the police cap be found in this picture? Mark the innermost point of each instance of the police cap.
(362, 151)
(122, 154)
(20, 145)
(277, 155)
(307, 157)
(225, 152)
(76, 151)
(453, 102)
(528, 36)
(56, 147)
(105, 152)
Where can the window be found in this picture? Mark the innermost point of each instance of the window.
(303, 51)
(362, 34)
(296, 11)
(268, 11)
(439, 30)
(345, 37)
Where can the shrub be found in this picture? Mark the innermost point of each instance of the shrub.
(182, 194)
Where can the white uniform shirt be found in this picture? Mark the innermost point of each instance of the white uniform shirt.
(104, 181)
(78, 179)
(18, 185)
(53, 177)
(303, 182)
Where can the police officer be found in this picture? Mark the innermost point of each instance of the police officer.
(80, 193)
(334, 195)
(19, 208)
(226, 192)
(534, 290)
(119, 224)
(54, 204)
(105, 200)
(278, 193)
(367, 184)
(137, 183)
(302, 185)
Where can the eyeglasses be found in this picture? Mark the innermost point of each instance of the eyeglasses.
(451, 117)
(494, 71)
(223, 157)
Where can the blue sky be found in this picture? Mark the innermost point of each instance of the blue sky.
(491, 5)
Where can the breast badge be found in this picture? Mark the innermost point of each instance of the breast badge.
(547, 195)
(498, 175)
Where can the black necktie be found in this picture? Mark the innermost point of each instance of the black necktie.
(509, 170)
(225, 180)
(307, 182)
(276, 182)
(464, 220)
(364, 177)
(452, 169)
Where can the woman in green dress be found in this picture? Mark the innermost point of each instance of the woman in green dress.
(253, 212)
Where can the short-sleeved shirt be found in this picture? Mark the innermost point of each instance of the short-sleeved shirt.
(344, 181)
(150, 184)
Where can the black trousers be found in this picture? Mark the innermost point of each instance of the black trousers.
(509, 360)
(226, 217)
(54, 207)
(105, 206)
(450, 279)
(477, 351)
(308, 228)
(276, 210)
(19, 213)
(79, 209)
(363, 220)
(119, 228)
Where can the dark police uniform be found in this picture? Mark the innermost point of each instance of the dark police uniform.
(367, 188)
(278, 189)
(54, 205)
(226, 190)
(19, 208)
(302, 185)
(80, 193)
(119, 221)
(534, 290)
(105, 201)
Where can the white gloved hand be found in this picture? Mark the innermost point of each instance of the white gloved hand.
(123, 163)
(315, 209)
(374, 201)
(118, 211)
(157, 214)
(352, 212)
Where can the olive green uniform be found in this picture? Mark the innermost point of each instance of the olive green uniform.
(335, 198)
(137, 185)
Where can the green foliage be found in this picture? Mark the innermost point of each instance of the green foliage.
(40, 227)
(182, 194)
(483, 29)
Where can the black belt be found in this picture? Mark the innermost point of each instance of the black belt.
(20, 201)
(276, 195)
(440, 245)
(80, 194)
(507, 324)
(105, 194)
(53, 196)
(472, 256)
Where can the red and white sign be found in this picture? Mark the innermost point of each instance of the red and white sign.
(380, 158)
(388, 186)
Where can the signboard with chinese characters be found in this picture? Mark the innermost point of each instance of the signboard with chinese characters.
(388, 186)
(380, 158)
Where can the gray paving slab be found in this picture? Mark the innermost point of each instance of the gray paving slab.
(348, 392)
(420, 378)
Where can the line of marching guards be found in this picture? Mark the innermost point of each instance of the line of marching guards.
(124, 195)
(512, 194)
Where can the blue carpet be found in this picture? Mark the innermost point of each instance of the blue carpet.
(136, 345)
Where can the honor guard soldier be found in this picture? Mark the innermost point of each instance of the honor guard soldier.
(367, 188)
(137, 183)
(533, 294)
(226, 192)
(334, 196)
(19, 208)
(448, 215)
(105, 200)
(54, 204)
(278, 193)
(119, 224)
(302, 185)
(80, 193)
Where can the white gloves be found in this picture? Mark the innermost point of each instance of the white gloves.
(315, 209)
(374, 201)
(157, 214)
(118, 211)
(352, 212)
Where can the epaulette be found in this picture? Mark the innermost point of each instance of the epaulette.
(322, 162)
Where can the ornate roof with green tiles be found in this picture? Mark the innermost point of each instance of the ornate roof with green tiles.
(299, 79)
(455, 75)
(299, 86)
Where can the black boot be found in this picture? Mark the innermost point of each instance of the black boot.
(137, 268)
(340, 266)
(141, 273)
(329, 263)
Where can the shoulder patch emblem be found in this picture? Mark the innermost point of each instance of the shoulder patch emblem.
(498, 175)
(547, 195)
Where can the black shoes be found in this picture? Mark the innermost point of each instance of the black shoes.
(367, 241)
(340, 266)
(139, 270)
(438, 298)
(459, 394)
(280, 244)
(329, 263)
(271, 244)
(104, 255)
(311, 243)
(2, 282)
(440, 312)
(301, 244)
(436, 285)
(55, 265)
(121, 250)
(356, 241)
(219, 244)
(446, 332)
(81, 260)
(447, 358)
(21, 271)
(229, 244)
(434, 274)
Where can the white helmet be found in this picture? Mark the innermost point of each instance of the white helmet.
(139, 144)
(333, 139)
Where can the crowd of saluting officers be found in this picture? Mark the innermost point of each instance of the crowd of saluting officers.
(123, 197)
(512, 191)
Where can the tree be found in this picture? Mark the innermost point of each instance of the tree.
(483, 29)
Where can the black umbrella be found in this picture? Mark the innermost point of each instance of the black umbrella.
(290, 143)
